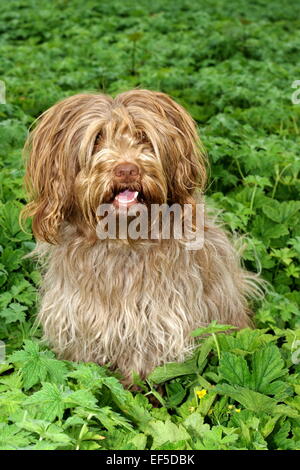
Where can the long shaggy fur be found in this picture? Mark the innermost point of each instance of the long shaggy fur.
(129, 304)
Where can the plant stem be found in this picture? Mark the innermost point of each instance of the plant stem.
(217, 345)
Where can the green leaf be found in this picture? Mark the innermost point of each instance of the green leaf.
(216, 440)
(11, 401)
(194, 424)
(254, 401)
(272, 210)
(234, 369)
(281, 212)
(14, 312)
(267, 366)
(94, 377)
(11, 438)
(257, 180)
(206, 347)
(246, 341)
(282, 440)
(214, 327)
(172, 370)
(82, 398)
(9, 218)
(45, 430)
(163, 432)
(176, 394)
(24, 292)
(266, 230)
(37, 366)
(50, 401)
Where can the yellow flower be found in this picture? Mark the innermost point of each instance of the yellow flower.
(201, 393)
(230, 407)
(237, 410)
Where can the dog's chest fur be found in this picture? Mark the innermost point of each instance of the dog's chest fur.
(134, 307)
(116, 303)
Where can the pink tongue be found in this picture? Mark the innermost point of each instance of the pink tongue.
(127, 196)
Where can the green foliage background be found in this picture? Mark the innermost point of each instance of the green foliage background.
(231, 64)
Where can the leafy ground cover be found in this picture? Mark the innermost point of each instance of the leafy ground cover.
(231, 66)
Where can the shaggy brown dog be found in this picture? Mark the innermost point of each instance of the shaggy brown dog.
(128, 303)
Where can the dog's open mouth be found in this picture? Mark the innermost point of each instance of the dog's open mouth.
(127, 198)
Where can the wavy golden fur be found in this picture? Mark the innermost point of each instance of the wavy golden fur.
(129, 304)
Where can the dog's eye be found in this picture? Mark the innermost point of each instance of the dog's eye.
(97, 141)
(143, 138)
(98, 138)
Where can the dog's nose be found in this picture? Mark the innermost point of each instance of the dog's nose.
(126, 172)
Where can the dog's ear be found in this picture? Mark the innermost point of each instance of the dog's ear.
(184, 154)
(63, 137)
(50, 170)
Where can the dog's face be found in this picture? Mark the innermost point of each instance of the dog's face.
(91, 149)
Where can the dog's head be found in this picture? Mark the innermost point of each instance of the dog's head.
(90, 149)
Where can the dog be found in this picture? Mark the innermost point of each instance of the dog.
(130, 304)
